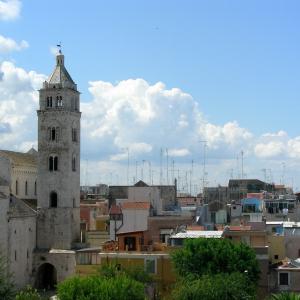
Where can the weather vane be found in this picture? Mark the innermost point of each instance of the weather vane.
(59, 47)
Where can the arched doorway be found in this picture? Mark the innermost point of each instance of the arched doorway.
(46, 277)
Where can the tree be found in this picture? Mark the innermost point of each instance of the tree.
(215, 287)
(136, 273)
(202, 256)
(101, 288)
(285, 296)
(28, 293)
(6, 285)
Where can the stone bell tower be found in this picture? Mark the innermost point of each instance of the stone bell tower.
(58, 185)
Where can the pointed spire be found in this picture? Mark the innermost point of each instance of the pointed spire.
(60, 76)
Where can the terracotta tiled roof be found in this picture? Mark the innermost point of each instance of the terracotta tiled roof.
(136, 205)
(115, 210)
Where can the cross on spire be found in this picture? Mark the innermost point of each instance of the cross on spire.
(59, 46)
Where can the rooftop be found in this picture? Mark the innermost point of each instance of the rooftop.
(136, 205)
(60, 75)
(194, 234)
(19, 158)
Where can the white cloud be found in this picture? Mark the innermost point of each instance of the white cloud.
(269, 150)
(231, 134)
(133, 110)
(142, 118)
(8, 45)
(278, 134)
(294, 147)
(10, 9)
(18, 102)
(179, 152)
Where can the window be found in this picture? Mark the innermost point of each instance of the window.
(150, 265)
(49, 101)
(26, 188)
(283, 278)
(53, 163)
(275, 256)
(17, 187)
(15, 255)
(59, 102)
(74, 135)
(53, 199)
(53, 134)
(74, 202)
(35, 188)
(74, 163)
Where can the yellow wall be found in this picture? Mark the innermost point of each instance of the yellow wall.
(165, 275)
(85, 270)
(276, 247)
(258, 241)
(101, 224)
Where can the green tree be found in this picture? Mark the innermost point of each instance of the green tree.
(101, 288)
(233, 286)
(202, 256)
(7, 291)
(285, 296)
(28, 293)
(134, 272)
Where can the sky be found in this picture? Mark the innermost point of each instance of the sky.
(158, 78)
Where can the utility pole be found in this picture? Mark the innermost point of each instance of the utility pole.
(136, 171)
(204, 166)
(242, 156)
(127, 165)
(150, 172)
(161, 170)
(167, 166)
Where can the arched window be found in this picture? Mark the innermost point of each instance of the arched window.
(35, 188)
(49, 101)
(26, 188)
(59, 102)
(73, 163)
(74, 135)
(53, 134)
(53, 199)
(53, 163)
(17, 187)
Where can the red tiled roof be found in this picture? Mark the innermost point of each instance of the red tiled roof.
(115, 210)
(136, 205)
(239, 228)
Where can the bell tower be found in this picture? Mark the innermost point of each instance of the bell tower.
(58, 185)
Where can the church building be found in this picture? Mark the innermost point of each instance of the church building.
(52, 178)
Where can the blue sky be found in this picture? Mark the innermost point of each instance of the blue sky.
(239, 60)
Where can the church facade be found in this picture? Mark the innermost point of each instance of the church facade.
(53, 228)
